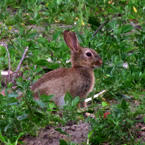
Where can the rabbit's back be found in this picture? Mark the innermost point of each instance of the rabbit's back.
(51, 82)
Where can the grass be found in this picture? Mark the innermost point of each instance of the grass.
(39, 24)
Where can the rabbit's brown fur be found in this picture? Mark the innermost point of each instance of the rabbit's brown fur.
(77, 80)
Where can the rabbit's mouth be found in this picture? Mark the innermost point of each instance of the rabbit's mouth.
(97, 63)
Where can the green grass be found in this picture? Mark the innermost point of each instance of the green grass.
(39, 24)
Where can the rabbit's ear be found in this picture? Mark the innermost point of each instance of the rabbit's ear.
(71, 40)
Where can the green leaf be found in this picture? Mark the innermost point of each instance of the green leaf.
(90, 134)
(126, 28)
(50, 65)
(2, 139)
(2, 51)
(104, 104)
(62, 142)
(124, 104)
(22, 117)
(46, 98)
(61, 131)
(40, 103)
(13, 95)
(56, 35)
(51, 105)
(67, 98)
(75, 101)
(59, 2)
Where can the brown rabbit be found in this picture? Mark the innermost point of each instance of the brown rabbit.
(78, 80)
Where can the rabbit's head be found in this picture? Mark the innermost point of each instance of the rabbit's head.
(80, 56)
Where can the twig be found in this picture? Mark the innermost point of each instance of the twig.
(19, 65)
(9, 61)
(95, 96)
(100, 27)
(103, 24)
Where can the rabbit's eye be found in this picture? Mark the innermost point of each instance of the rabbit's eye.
(88, 54)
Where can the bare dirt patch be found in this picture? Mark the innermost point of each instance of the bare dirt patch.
(76, 133)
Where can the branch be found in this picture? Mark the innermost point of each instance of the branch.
(100, 27)
(95, 96)
(9, 62)
(20, 63)
(103, 24)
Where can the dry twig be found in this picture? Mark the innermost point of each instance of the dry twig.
(20, 63)
(9, 62)
(11, 76)
(103, 24)
(95, 96)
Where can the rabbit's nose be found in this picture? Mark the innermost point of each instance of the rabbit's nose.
(100, 61)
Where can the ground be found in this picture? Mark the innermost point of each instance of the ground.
(76, 133)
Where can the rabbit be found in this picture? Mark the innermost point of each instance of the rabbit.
(77, 80)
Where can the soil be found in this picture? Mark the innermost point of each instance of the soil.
(140, 127)
(141, 131)
(76, 133)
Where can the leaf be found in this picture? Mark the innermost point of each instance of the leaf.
(42, 62)
(13, 95)
(2, 139)
(61, 131)
(50, 65)
(124, 104)
(56, 35)
(11, 104)
(42, 40)
(7, 127)
(46, 98)
(22, 117)
(19, 136)
(67, 98)
(12, 99)
(40, 103)
(126, 28)
(51, 105)
(134, 9)
(90, 134)
(59, 2)
(62, 142)
(2, 50)
(75, 101)
(104, 104)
